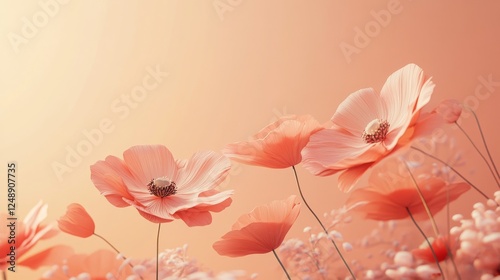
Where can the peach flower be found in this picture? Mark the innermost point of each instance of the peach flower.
(369, 126)
(26, 236)
(277, 145)
(261, 231)
(386, 199)
(161, 188)
(100, 265)
(450, 109)
(77, 221)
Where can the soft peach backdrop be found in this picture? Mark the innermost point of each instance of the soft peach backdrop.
(230, 72)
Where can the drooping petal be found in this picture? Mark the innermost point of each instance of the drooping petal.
(332, 150)
(351, 176)
(108, 177)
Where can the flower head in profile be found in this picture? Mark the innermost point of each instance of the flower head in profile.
(368, 126)
(261, 231)
(76, 221)
(163, 189)
(277, 145)
(26, 235)
(390, 197)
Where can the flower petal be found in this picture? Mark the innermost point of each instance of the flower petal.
(202, 172)
(358, 110)
(48, 256)
(109, 178)
(404, 93)
(149, 162)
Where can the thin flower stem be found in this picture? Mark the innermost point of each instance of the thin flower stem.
(447, 243)
(116, 250)
(424, 203)
(157, 248)
(454, 170)
(428, 242)
(431, 217)
(320, 223)
(282, 266)
(484, 141)
(481, 154)
(4, 275)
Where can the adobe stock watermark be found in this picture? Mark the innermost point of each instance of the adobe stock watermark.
(222, 7)
(363, 36)
(121, 107)
(32, 25)
(482, 92)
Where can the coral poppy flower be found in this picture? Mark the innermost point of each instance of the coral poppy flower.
(161, 188)
(368, 126)
(438, 245)
(388, 199)
(261, 231)
(277, 145)
(77, 221)
(102, 264)
(25, 236)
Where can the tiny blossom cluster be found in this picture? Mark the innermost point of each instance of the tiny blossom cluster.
(479, 240)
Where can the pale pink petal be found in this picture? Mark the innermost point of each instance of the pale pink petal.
(48, 256)
(359, 109)
(332, 150)
(108, 177)
(405, 92)
(202, 172)
(149, 162)
(351, 176)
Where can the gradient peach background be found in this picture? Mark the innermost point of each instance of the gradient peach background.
(230, 74)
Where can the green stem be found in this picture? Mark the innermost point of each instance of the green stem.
(282, 266)
(427, 240)
(320, 223)
(453, 169)
(157, 248)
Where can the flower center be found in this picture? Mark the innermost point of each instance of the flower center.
(375, 131)
(162, 187)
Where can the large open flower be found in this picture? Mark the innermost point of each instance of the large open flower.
(261, 231)
(23, 236)
(163, 189)
(368, 126)
(278, 145)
